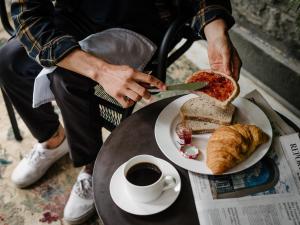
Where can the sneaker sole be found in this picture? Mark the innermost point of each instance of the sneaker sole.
(81, 219)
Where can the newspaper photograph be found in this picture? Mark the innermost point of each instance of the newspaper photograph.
(266, 193)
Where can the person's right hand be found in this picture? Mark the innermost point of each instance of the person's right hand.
(121, 82)
(124, 83)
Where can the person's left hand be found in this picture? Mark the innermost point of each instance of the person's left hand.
(222, 55)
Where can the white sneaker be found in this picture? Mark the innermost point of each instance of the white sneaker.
(80, 205)
(34, 165)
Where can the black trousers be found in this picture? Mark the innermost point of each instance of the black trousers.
(73, 94)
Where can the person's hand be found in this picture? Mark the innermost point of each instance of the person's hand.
(124, 83)
(222, 55)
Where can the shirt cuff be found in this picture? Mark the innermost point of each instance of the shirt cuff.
(56, 50)
(209, 14)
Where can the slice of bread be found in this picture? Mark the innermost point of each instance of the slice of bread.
(201, 109)
(221, 89)
(201, 127)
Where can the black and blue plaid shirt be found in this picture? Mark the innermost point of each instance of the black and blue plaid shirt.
(45, 43)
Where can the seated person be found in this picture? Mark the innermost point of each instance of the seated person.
(48, 35)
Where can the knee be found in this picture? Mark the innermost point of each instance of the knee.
(59, 83)
(65, 83)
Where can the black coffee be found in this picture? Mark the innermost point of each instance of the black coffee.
(143, 174)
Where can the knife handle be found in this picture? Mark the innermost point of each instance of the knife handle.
(153, 90)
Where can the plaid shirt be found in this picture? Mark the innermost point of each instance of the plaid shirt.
(48, 45)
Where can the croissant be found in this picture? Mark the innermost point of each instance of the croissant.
(230, 145)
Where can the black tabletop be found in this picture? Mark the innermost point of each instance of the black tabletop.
(135, 136)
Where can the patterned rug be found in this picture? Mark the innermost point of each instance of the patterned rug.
(43, 202)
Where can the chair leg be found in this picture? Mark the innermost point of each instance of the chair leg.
(12, 117)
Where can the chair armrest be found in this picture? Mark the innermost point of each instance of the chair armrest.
(4, 19)
(179, 29)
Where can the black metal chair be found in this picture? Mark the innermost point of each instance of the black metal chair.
(9, 107)
(111, 112)
(180, 28)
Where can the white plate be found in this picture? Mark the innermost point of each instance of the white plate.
(122, 199)
(167, 140)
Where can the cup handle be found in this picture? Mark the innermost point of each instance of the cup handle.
(169, 182)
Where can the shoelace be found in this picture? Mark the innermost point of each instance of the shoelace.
(35, 155)
(83, 188)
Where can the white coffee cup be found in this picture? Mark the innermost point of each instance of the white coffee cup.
(152, 191)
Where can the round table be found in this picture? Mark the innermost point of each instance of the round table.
(133, 137)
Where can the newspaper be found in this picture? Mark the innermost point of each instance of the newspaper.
(265, 194)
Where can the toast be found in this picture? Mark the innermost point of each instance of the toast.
(201, 127)
(221, 89)
(200, 109)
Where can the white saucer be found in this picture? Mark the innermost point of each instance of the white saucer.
(122, 199)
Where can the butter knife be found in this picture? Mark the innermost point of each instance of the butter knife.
(181, 87)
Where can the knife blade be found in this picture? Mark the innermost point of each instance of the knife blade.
(181, 87)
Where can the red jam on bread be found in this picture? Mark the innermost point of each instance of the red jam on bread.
(218, 87)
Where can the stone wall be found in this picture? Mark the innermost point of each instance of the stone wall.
(275, 21)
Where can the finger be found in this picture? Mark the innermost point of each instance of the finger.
(227, 55)
(140, 90)
(124, 101)
(149, 79)
(236, 65)
(133, 95)
(145, 85)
